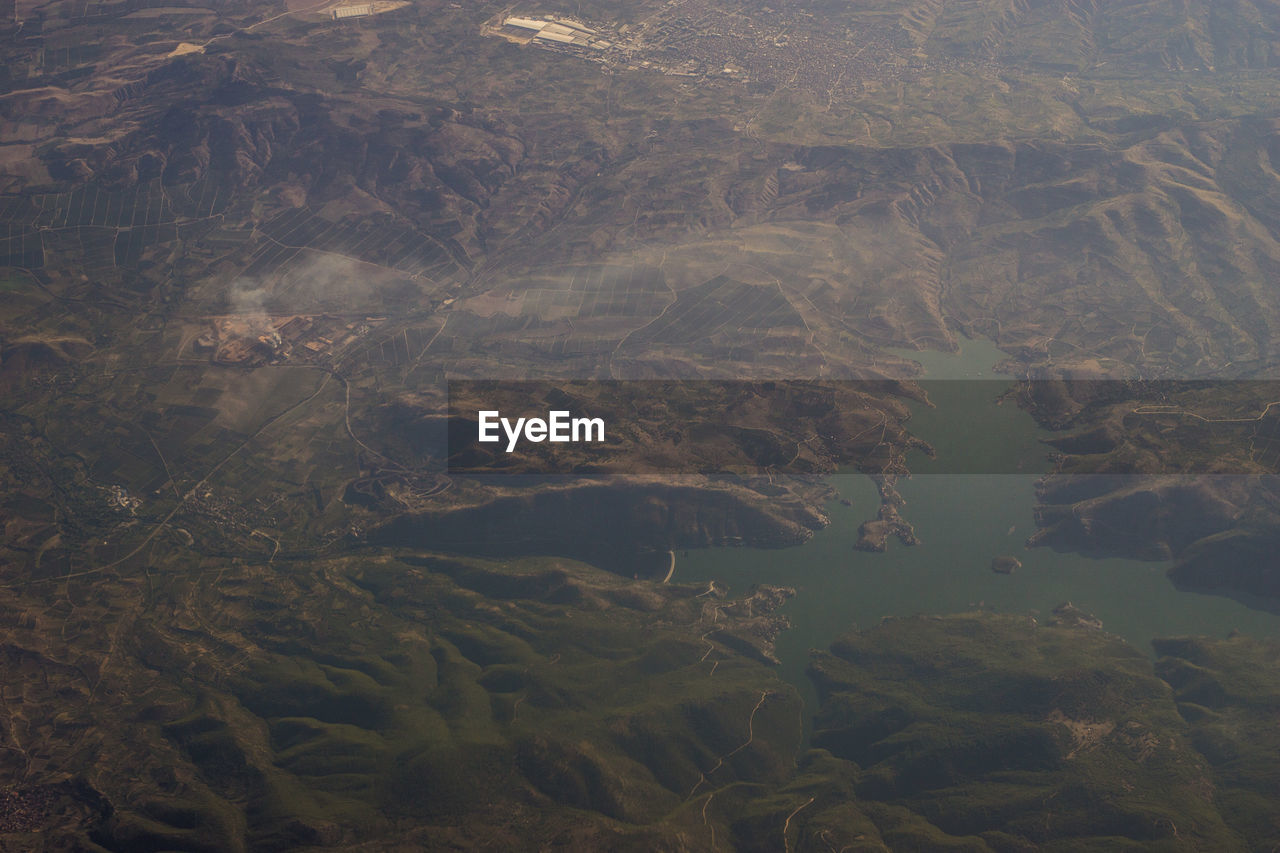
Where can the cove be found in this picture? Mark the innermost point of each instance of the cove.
(962, 521)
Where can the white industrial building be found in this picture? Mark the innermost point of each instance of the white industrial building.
(557, 30)
(525, 23)
(360, 11)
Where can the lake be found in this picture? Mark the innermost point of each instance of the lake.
(963, 521)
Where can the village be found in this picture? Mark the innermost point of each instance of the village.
(255, 340)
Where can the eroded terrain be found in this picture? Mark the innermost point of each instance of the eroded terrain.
(244, 245)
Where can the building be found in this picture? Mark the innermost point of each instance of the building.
(550, 30)
(563, 38)
(341, 12)
(524, 23)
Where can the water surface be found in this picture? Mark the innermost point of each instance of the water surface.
(963, 521)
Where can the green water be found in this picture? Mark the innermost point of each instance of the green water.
(963, 521)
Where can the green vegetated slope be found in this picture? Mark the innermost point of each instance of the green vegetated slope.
(422, 701)
(991, 733)
(1226, 692)
(445, 703)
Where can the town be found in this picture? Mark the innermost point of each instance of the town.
(769, 50)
